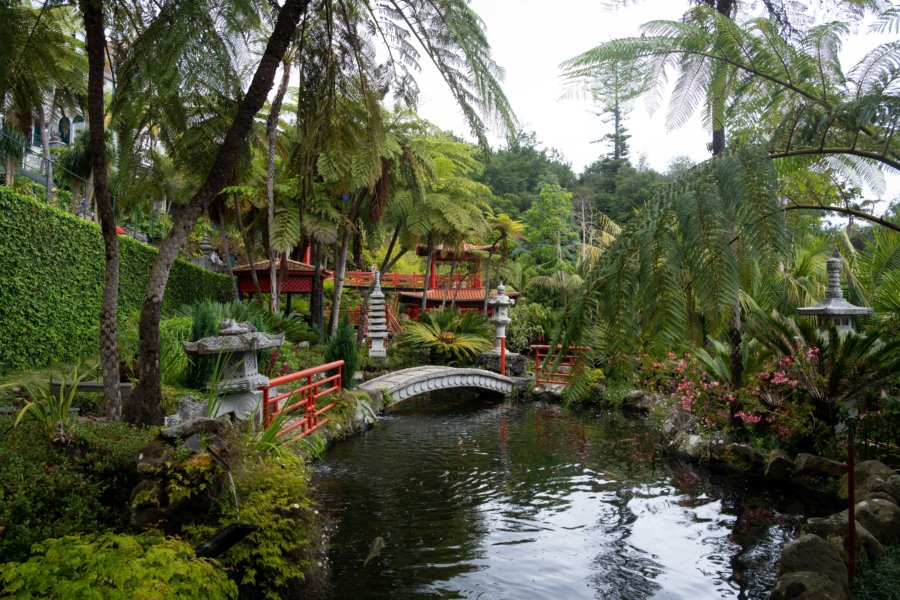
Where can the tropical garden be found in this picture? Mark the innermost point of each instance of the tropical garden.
(275, 132)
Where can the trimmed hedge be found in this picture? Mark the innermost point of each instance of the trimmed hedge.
(51, 283)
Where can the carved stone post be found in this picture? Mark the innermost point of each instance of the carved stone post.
(377, 329)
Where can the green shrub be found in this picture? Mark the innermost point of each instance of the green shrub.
(532, 323)
(113, 566)
(342, 346)
(52, 266)
(200, 368)
(280, 555)
(49, 491)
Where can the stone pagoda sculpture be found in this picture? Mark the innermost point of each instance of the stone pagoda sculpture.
(377, 328)
(834, 309)
(238, 344)
(499, 360)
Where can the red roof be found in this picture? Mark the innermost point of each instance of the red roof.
(293, 266)
(463, 295)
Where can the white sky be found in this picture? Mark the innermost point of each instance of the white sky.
(530, 38)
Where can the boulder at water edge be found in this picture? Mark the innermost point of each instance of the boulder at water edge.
(881, 518)
(813, 554)
(808, 585)
(834, 529)
(779, 465)
(869, 474)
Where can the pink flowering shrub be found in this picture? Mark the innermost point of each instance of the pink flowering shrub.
(774, 406)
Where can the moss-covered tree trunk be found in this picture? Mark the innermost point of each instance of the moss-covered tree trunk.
(143, 406)
(92, 12)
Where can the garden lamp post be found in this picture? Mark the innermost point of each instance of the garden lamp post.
(835, 311)
(501, 303)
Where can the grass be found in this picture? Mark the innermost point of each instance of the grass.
(881, 580)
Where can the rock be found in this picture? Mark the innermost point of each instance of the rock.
(515, 363)
(196, 425)
(881, 518)
(878, 496)
(811, 553)
(869, 474)
(743, 457)
(188, 408)
(639, 401)
(835, 527)
(809, 585)
(678, 420)
(816, 466)
(779, 464)
(693, 445)
(891, 486)
(147, 494)
(153, 456)
(302, 344)
(548, 392)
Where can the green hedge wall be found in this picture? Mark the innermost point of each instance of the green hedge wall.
(51, 283)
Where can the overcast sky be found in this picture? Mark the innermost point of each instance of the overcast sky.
(530, 38)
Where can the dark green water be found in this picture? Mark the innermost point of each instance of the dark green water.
(479, 498)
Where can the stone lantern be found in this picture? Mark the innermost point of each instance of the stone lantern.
(834, 310)
(501, 303)
(377, 328)
(237, 344)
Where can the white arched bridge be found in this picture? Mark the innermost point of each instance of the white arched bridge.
(406, 383)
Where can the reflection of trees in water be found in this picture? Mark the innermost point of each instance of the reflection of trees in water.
(453, 484)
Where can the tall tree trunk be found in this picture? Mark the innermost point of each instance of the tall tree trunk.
(390, 250)
(428, 269)
(449, 283)
(10, 165)
(226, 252)
(271, 136)
(393, 261)
(143, 406)
(487, 277)
(340, 267)
(45, 149)
(250, 263)
(92, 11)
(317, 300)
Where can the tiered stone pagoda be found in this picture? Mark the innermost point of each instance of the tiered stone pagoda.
(238, 343)
(377, 327)
(834, 310)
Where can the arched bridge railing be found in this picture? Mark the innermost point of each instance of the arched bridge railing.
(411, 382)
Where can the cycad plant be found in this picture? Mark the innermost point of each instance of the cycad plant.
(833, 369)
(449, 336)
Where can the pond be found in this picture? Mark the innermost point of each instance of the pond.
(460, 495)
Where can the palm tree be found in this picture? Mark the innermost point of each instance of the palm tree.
(92, 12)
(450, 32)
(792, 94)
(37, 56)
(506, 229)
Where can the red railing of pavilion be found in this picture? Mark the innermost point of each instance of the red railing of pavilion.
(354, 315)
(303, 399)
(570, 361)
(407, 281)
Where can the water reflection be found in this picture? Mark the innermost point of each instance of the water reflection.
(477, 498)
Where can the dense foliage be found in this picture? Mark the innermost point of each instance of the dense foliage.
(48, 490)
(281, 554)
(52, 268)
(115, 566)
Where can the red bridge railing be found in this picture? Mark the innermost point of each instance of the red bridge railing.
(303, 399)
(570, 361)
